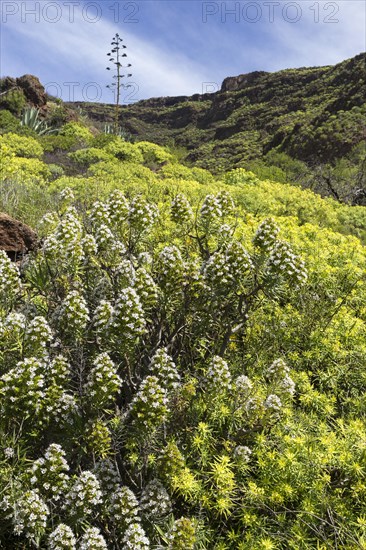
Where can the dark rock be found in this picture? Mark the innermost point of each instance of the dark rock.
(233, 83)
(16, 238)
(33, 90)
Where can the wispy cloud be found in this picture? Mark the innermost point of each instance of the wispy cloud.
(173, 50)
(76, 52)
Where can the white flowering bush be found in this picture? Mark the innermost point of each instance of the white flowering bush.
(135, 538)
(123, 508)
(49, 473)
(282, 262)
(149, 406)
(218, 377)
(128, 322)
(211, 211)
(108, 477)
(93, 540)
(163, 367)
(118, 209)
(103, 381)
(146, 288)
(182, 535)
(242, 454)
(266, 235)
(62, 538)
(181, 210)
(74, 314)
(145, 395)
(102, 316)
(30, 516)
(83, 496)
(22, 389)
(141, 215)
(10, 284)
(171, 269)
(37, 335)
(155, 502)
(228, 269)
(63, 248)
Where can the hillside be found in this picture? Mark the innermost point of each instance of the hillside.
(181, 358)
(303, 125)
(183, 350)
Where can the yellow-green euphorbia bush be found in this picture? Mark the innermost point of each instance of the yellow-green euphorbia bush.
(21, 146)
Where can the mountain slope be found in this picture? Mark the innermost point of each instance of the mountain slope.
(315, 115)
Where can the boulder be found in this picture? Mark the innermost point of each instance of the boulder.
(33, 90)
(16, 238)
(234, 83)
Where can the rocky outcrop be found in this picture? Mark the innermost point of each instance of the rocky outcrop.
(33, 90)
(233, 83)
(16, 238)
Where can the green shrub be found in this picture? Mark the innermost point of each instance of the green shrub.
(101, 140)
(56, 170)
(8, 122)
(153, 153)
(26, 170)
(14, 101)
(58, 143)
(85, 157)
(179, 171)
(125, 151)
(240, 176)
(22, 146)
(77, 131)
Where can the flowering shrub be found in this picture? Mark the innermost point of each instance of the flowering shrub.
(149, 407)
(74, 314)
(182, 535)
(123, 508)
(30, 516)
(181, 210)
(10, 284)
(218, 376)
(93, 540)
(163, 367)
(146, 394)
(62, 538)
(83, 497)
(266, 234)
(48, 473)
(135, 538)
(103, 381)
(282, 261)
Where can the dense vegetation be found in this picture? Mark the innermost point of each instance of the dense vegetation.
(182, 360)
(305, 126)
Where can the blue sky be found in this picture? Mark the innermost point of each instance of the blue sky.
(176, 47)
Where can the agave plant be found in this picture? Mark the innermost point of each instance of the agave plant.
(110, 129)
(30, 118)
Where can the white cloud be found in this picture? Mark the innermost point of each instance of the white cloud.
(80, 48)
(181, 52)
